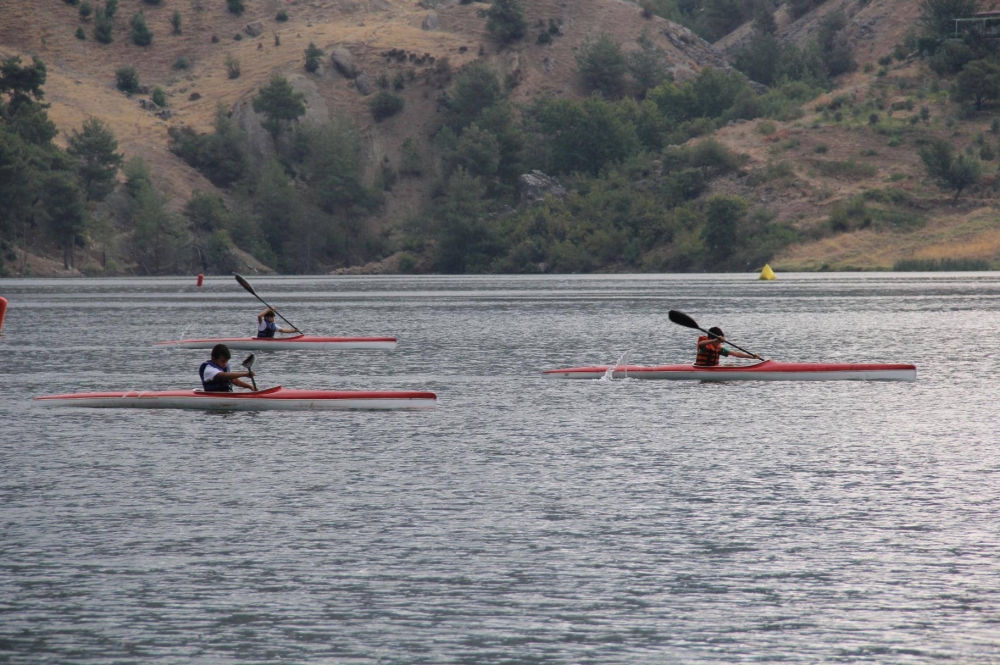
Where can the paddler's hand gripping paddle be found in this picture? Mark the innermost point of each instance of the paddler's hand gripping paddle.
(682, 319)
(246, 285)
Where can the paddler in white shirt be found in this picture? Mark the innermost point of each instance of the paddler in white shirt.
(215, 374)
(266, 327)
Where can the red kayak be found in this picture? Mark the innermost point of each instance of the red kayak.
(276, 398)
(284, 343)
(768, 370)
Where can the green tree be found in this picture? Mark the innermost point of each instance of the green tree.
(110, 8)
(505, 19)
(477, 87)
(103, 26)
(385, 105)
(206, 212)
(280, 105)
(584, 136)
(723, 215)
(94, 146)
(158, 235)
(478, 152)
(723, 16)
(978, 82)
(141, 34)
(137, 176)
(22, 83)
(466, 243)
(127, 79)
(950, 172)
(603, 66)
(763, 18)
(411, 161)
(221, 156)
(648, 66)
(937, 17)
(313, 54)
(65, 211)
(86, 9)
(175, 23)
(159, 97)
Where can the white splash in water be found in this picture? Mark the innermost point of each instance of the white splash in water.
(622, 363)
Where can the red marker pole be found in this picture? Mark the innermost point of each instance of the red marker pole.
(201, 279)
(3, 312)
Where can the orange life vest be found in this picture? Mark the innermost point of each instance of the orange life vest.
(708, 355)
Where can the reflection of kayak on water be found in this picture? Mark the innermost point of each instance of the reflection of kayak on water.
(769, 370)
(284, 343)
(276, 398)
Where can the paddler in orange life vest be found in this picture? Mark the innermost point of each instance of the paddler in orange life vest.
(710, 348)
(266, 327)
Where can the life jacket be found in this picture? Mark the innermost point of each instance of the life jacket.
(270, 327)
(216, 385)
(708, 356)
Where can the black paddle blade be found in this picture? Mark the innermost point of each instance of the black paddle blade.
(682, 319)
(248, 363)
(245, 284)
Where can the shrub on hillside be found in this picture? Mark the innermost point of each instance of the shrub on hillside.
(80, 34)
(141, 34)
(281, 16)
(182, 63)
(86, 9)
(949, 171)
(175, 23)
(505, 19)
(232, 66)
(385, 105)
(235, 6)
(103, 26)
(602, 66)
(313, 54)
(127, 79)
(159, 96)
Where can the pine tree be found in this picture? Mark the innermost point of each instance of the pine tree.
(94, 146)
(505, 19)
(279, 103)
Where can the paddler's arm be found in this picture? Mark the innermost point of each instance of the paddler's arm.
(740, 354)
(260, 317)
(288, 331)
(236, 377)
(242, 384)
(706, 342)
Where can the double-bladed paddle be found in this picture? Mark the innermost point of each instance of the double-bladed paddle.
(682, 319)
(248, 363)
(246, 285)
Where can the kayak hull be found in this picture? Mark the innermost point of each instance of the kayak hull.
(768, 370)
(272, 399)
(298, 342)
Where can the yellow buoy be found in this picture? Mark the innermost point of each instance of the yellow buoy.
(767, 273)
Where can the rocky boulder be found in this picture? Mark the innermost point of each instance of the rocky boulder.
(430, 22)
(536, 186)
(344, 62)
(255, 29)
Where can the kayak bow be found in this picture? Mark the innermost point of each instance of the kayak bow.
(284, 343)
(276, 398)
(768, 370)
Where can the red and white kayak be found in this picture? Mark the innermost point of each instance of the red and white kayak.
(284, 343)
(277, 399)
(768, 370)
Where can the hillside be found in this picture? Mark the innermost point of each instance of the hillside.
(842, 176)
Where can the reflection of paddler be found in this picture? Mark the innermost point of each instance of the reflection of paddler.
(3, 312)
(710, 348)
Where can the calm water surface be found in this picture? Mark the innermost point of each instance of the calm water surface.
(525, 520)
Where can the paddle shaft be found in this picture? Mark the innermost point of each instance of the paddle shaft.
(246, 285)
(682, 319)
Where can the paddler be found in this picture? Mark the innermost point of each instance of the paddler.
(266, 327)
(710, 348)
(215, 374)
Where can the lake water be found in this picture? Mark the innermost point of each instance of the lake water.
(525, 520)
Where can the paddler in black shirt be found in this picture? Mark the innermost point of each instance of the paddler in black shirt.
(710, 348)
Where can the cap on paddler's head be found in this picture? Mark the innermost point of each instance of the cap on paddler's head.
(220, 351)
(717, 331)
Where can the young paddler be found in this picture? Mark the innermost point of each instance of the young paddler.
(266, 327)
(710, 347)
(215, 374)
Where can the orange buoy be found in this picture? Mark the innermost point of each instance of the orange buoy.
(3, 311)
(201, 279)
